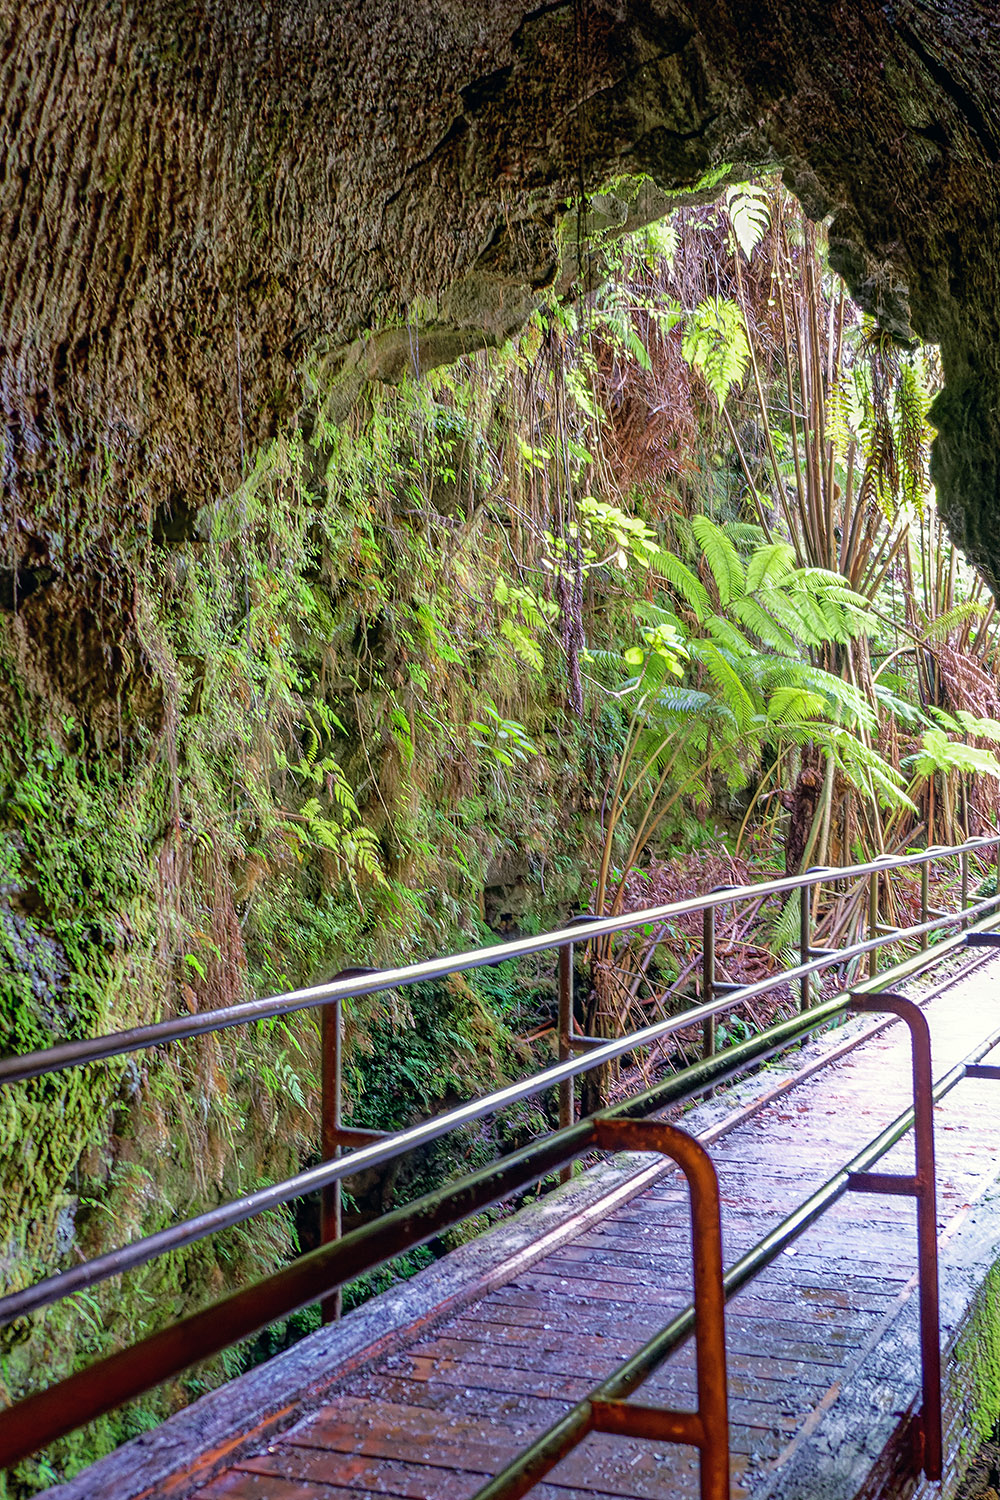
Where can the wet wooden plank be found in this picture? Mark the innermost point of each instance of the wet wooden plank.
(433, 1422)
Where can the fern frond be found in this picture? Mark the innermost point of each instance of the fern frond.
(721, 556)
(682, 581)
(753, 617)
(941, 627)
(773, 561)
(726, 635)
(727, 681)
(749, 214)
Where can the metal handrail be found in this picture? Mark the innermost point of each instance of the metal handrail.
(75, 1054)
(225, 1216)
(534, 1462)
(343, 1261)
(39, 1419)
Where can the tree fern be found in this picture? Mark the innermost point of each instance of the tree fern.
(749, 214)
(682, 581)
(721, 557)
(754, 617)
(769, 563)
(725, 679)
(715, 342)
(788, 704)
(940, 628)
(727, 636)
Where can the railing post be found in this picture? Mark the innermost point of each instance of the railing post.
(569, 1042)
(331, 1202)
(873, 922)
(923, 1186)
(331, 1127)
(567, 1093)
(805, 943)
(925, 878)
(708, 978)
(964, 867)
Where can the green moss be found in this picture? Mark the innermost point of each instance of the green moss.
(977, 1356)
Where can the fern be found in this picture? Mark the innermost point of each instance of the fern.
(682, 700)
(941, 628)
(726, 635)
(721, 556)
(682, 581)
(769, 563)
(788, 704)
(525, 647)
(715, 342)
(755, 618)
(783, 936)
(907, 713)
(749, 214)
(982, 729)
(726, 679)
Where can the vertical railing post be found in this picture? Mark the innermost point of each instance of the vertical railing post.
(805, 942)
(873, 922)
(567, 1091)
(964, 867)
(331, 1127)
(925, 881)
(923, 1186)
(331, 1201)
(708, 1427)
(708, 978)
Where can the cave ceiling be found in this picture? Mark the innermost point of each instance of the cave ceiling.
(213, 210)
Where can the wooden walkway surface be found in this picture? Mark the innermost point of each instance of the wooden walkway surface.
(435, 1421)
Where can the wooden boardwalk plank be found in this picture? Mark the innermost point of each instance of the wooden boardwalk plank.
(434, 1421)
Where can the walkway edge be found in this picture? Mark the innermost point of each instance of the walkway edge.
(187, 1450)
(855, 1449)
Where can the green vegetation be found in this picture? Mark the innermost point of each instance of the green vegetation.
(663, 576)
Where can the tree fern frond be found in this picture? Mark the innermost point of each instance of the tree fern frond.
(787, 704)
(768, 564)
(725, 679)
(906, 713)
(726, 635)
(682, 581)
(721, 556)
(941, 627)
(755, 618)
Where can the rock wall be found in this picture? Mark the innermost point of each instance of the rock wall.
(212, 210)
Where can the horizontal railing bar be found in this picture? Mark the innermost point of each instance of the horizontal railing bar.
(681, 1086)
(884, 1182)
(225, 1216)
(536, 1461)
(347, 1135)
(179, 1028)
(40, 1418)
(587, 1043)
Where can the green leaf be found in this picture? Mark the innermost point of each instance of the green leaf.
(749, 214)
(721, 556)
(715, 342)
(682, 581)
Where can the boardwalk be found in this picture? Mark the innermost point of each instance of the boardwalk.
(434, 1421)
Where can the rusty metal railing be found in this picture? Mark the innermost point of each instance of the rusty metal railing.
(41, 1418)
(530, 1466)
(38, 1419)
(606, 1408)
(921, 1185)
